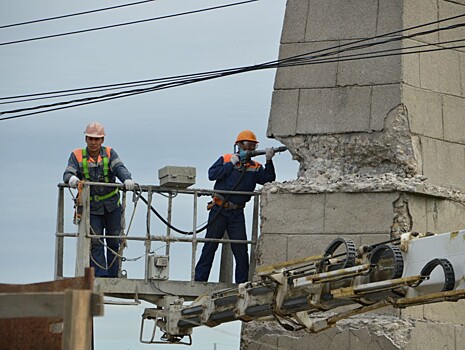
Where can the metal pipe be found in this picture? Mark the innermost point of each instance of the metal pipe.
(148, 241)
(258, 310)
(180, 239)
(123, 227)
(260, 152)
(168, 229)
(64, 234)
(253, 261)
(226, 300)
(223, 316)
(59, 244)
(226, 262)
(189, 323)
(194, 240)
(145, 188)
(192, 310)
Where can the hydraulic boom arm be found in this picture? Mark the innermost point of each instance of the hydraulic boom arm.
(411, 270)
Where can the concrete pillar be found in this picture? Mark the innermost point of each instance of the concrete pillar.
(381, 147)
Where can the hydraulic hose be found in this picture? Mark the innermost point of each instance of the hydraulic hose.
(249, 155)
(206, 225)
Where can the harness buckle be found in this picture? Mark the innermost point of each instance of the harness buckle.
(96, 198)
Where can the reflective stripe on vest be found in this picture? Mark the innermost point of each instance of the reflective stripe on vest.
(85, 170)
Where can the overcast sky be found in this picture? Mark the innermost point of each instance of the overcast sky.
(185, 126)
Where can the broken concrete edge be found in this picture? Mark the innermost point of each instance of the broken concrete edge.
(388, 182)
(397, 330)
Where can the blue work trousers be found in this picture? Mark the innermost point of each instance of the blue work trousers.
(111, 223)
(234, 223)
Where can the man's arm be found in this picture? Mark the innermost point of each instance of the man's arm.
(72, 169)
(118, 168)
(220, 169)
(267, 174)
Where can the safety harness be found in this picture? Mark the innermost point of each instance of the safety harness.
(218, 200)
(85, 170)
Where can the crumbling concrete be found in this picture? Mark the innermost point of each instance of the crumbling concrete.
(381, 148)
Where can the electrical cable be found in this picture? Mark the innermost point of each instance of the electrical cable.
(87, 90)
(102, 98)
(357, 57)
(150, 81)
(279, 62)
(371, 38)
(293, 61)
(125, 23)
(302, 60)
(73, 14)
(122, 94)
(164, 79)
(214, 218)
(267, 63)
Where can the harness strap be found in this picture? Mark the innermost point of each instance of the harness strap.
(105, 167)
(85, 167)
(85, 170)
(105, 196)
(227, 205)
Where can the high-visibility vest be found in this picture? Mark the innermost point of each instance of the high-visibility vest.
(85, 170)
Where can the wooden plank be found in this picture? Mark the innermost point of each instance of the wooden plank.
(48, 304)
(86, 282)
(41, 333)
(77, 323)
(14, 305)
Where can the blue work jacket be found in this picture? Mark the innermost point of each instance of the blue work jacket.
(227, 176)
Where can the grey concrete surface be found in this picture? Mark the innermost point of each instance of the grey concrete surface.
(381, 148)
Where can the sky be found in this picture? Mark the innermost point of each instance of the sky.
(184, 126)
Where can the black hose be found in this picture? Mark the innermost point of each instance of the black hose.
(209, 222)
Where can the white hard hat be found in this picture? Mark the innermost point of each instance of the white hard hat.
(95, 129)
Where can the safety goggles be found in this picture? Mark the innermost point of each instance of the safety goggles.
(250, 144)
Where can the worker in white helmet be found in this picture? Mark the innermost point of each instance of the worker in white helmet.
(98, 163)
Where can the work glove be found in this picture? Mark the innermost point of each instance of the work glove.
(234, 159)
(73, 181)
(129, 184)
(269, 153)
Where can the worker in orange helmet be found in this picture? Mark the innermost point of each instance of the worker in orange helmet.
(98, 163)
(233, 172)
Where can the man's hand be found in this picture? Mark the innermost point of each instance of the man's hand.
(129, 184)
(234, 159)
(73, 181)
(269, 153)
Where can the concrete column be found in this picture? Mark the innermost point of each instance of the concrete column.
(381, 147)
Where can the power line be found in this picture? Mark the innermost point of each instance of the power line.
(96, 99)
(209, 75)
(303, 61)
(126, 23)
(337, 47)
(293, 61)
(282, 61)
(73, 14)
(109, 86)
(373, 55)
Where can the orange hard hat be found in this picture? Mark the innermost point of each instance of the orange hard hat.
(246, 135)
(95, 129)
